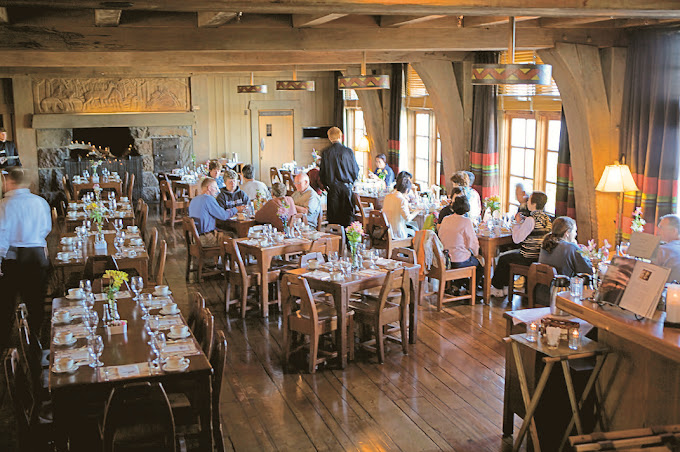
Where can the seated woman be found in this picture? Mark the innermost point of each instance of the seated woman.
(457, 234)
(395, 207)
(279, 206)
(448, 209)
(382, 170)
(215, 171)
(462, 179)
(560, 250)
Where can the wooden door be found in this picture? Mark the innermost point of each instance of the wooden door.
(276, 140)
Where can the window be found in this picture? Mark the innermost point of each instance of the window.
(532, 144)
(356, 130)
(422, 149)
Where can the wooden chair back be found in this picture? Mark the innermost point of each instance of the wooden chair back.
(56, 227)
(288, 182)
(30, 357)
(337, 229)
(68, 188)
(319, 221)
(407, 255)
(159, 271)
(130, 187)
(309, 256)
(301, 217)
(143, 215)
(275, 175)
(538, 274)
(139, 404)
(378, 229)
(23, 400)
(218, 363)
(296, 287)
(126, 179)
(95, 266)
(151, 246)
(361, 209)
(197, 306)
(234, 273)
(167, 193)
(394, 280)
(191, 236)
(208, 327)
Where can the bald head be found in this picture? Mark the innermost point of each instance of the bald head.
(301, 182)
(334, 134)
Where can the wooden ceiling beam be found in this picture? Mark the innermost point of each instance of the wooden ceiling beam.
(4, 16)
(400, 21)
(107, 17)
(569, 22)
(82, 38)
(489, 21)
(85, 72)
(314, 20)
(545, 8)
(214, 18)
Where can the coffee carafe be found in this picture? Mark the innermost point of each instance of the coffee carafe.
(559, 284)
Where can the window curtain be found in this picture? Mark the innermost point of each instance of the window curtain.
(649, 125)
(338, 104)
(395, 116)
(484, 152)
(565, 204)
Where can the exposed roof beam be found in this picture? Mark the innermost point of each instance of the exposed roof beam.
(568, 22)
(4, 17)
(214, 18)
(400, 21)
(544, 8)
(314, 20)
(488, 21)
(107, 17)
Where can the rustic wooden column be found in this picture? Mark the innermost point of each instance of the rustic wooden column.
(440, 81)
(24, 136)
(590, 82)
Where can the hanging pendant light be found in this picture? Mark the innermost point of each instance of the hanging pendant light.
(511, 74)
(295, 84)
(364, 81)
(252, 88)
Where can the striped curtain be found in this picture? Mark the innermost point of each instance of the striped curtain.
(565, 204)
(650, 123)
(484, 152)
(395, 116)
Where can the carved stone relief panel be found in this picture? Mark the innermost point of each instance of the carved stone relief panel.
(111, 95)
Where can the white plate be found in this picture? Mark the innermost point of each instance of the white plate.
(184, 366)
(164, 312)
(64, 371)
(174, 336)
(162, 294)
(56, 342)
(74, 298)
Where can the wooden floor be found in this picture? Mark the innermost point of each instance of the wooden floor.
(446, 394)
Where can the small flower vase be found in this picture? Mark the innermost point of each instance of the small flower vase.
(106, 314)
(100, 244)
(286, 228)
(95, 176)
(356, 258)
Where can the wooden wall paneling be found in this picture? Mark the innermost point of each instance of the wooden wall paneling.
(442, 86)
(579, 74)
(25, 137)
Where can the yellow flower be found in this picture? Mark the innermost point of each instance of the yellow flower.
(116, 277)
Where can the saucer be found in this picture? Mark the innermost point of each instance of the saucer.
(184, 365)
(74, 298)
(162, 294)
(174, 336)
(73, 341)
(56, 321)
(164, 312)
(65, 371)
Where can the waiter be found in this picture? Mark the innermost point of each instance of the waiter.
(8, 151)
(338, 171)
(25, 222)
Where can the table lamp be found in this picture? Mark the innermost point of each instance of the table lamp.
(617, 178)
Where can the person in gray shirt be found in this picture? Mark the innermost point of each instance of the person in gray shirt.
(668, 254)
(306, 199)
(560, 250)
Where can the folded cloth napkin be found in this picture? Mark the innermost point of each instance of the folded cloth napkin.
(81, 354)
(77, 330)
(316, 274)
(181, 348)
(125, 371)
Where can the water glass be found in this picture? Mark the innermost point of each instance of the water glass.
(137, 284)
(95, 346)
(86, 286)
(576, 287)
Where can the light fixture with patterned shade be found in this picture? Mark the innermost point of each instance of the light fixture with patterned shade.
(252, 88)
(364, 81)
(295, 84)
(511, 74)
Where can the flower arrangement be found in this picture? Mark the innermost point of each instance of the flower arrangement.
(95, 212)
(96, 164)
(282, 213)
(260, 200)
(493, 203)
(638, 224)
(593, 253)
(354, 232)
(116, 279)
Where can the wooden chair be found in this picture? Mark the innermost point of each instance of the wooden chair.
(319, 221)
(196, 252)
(275, 175)
(170, 205)
(151, 250)
(311, 319)
(407, 255)
(207, 321)
(288, 182)
(159, 271)
(309, 256)
(538, 274)
(361, 209)
(443, 275)
(35, 362)
(337, 229)
(377, 313)
(135, 405)
(126, 179)
(68, 188)
(517, 269)
(380, 233)
(129, 187)
(56, 224)
(301, 217)
(142, 217)
(195, 309)
(218, 363)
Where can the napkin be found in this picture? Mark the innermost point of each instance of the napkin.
(121, 294)
(76, 311)
(316, 274)
(125, 371)
(77, 354)
(369, 273)
(166, 322)
(181, 348)
(155, 303)
(78, 330)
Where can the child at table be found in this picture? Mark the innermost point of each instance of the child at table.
(528, 232)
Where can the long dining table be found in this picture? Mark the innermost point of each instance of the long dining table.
(488, 248)
(115, 185)
(357, 281)
(76, 214)
(78, 397)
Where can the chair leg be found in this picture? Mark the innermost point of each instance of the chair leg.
(286, 345)
(440, 294)
(244, 301)
(313, 352)
(473, 289)
(350, 336)
(227, 296)
(379, 343)
(404, 329)
(200, 268)
(188, 267)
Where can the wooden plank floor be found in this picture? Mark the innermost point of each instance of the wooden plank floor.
(446, 394)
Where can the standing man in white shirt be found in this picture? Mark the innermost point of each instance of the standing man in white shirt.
(25, 222)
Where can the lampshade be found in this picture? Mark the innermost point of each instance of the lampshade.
(364, 81)
(616, 178)
(295, 84)
(363, 145)
(252, 88)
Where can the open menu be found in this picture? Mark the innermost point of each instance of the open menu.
(633, 285)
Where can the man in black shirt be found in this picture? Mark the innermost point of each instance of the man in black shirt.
(8, 151)
(338, 171)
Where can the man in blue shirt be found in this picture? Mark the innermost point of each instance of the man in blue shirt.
(25, 222)
(205, 211)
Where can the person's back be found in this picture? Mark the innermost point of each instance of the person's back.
(253, 187)
(338, 171)
(668, 254)
(566, 258)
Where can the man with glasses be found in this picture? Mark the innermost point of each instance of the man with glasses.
(668, 254)
(306, 199)
(205, 211)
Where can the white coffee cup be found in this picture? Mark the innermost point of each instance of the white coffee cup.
(124, 199)
(179, 330)
(64, 364)
(62, 256)
(312, 264)
(161, 290)
(171, 307)
(174, 361)
(137, 242)
(131, 253)
(66, 240)
(62, 316)
(132, 228)
(64, 337)
(72, 214)
(76, 293)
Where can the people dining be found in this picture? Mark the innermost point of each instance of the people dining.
(668, 255)
(448, 209)
(382, 170)
(231, 195)
(215, 171)
(522, 198)
(306, 200)
(395, 207)
(280, 206)
(462, 179)
(560, 250)
(529, 233)
(457, 234)
(252, 187)
(205, 210)
(411, 195)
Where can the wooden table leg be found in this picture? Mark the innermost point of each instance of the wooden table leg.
(341, 299)
(413, 314)
(508, 415)
(530, 402)
(488, 258)
(265, 260)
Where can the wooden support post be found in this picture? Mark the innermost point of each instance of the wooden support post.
(24, 136)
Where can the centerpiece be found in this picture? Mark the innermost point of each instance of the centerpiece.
(282, 213)
(116, 279)
(638, 223)
(493, 205)
(96, 164)
(598, 257)
(354, 234)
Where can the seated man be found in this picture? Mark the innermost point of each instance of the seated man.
(205, 210)
(668, 254)
(528, 232)
(306, 200)
(382, 170)
(215, 171)
(231, 196)
(252, 187)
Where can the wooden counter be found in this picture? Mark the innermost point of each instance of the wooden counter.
(640, 383)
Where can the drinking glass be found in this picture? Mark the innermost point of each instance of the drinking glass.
(145, 310)
(86, 286)
(154, 360)
(91, 319)
(160, 341)
(117, 224)
(95, 345)
(137, 284)
(333, 257)
(576, 287)
(373, 256)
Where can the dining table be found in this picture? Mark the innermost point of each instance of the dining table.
(356, 281)
(488, 248)
(79, 395)
(264, 252)
(240, 225)
(112, 184)
(76, 214)
(187, 188)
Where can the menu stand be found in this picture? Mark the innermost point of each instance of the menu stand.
(562, 354)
